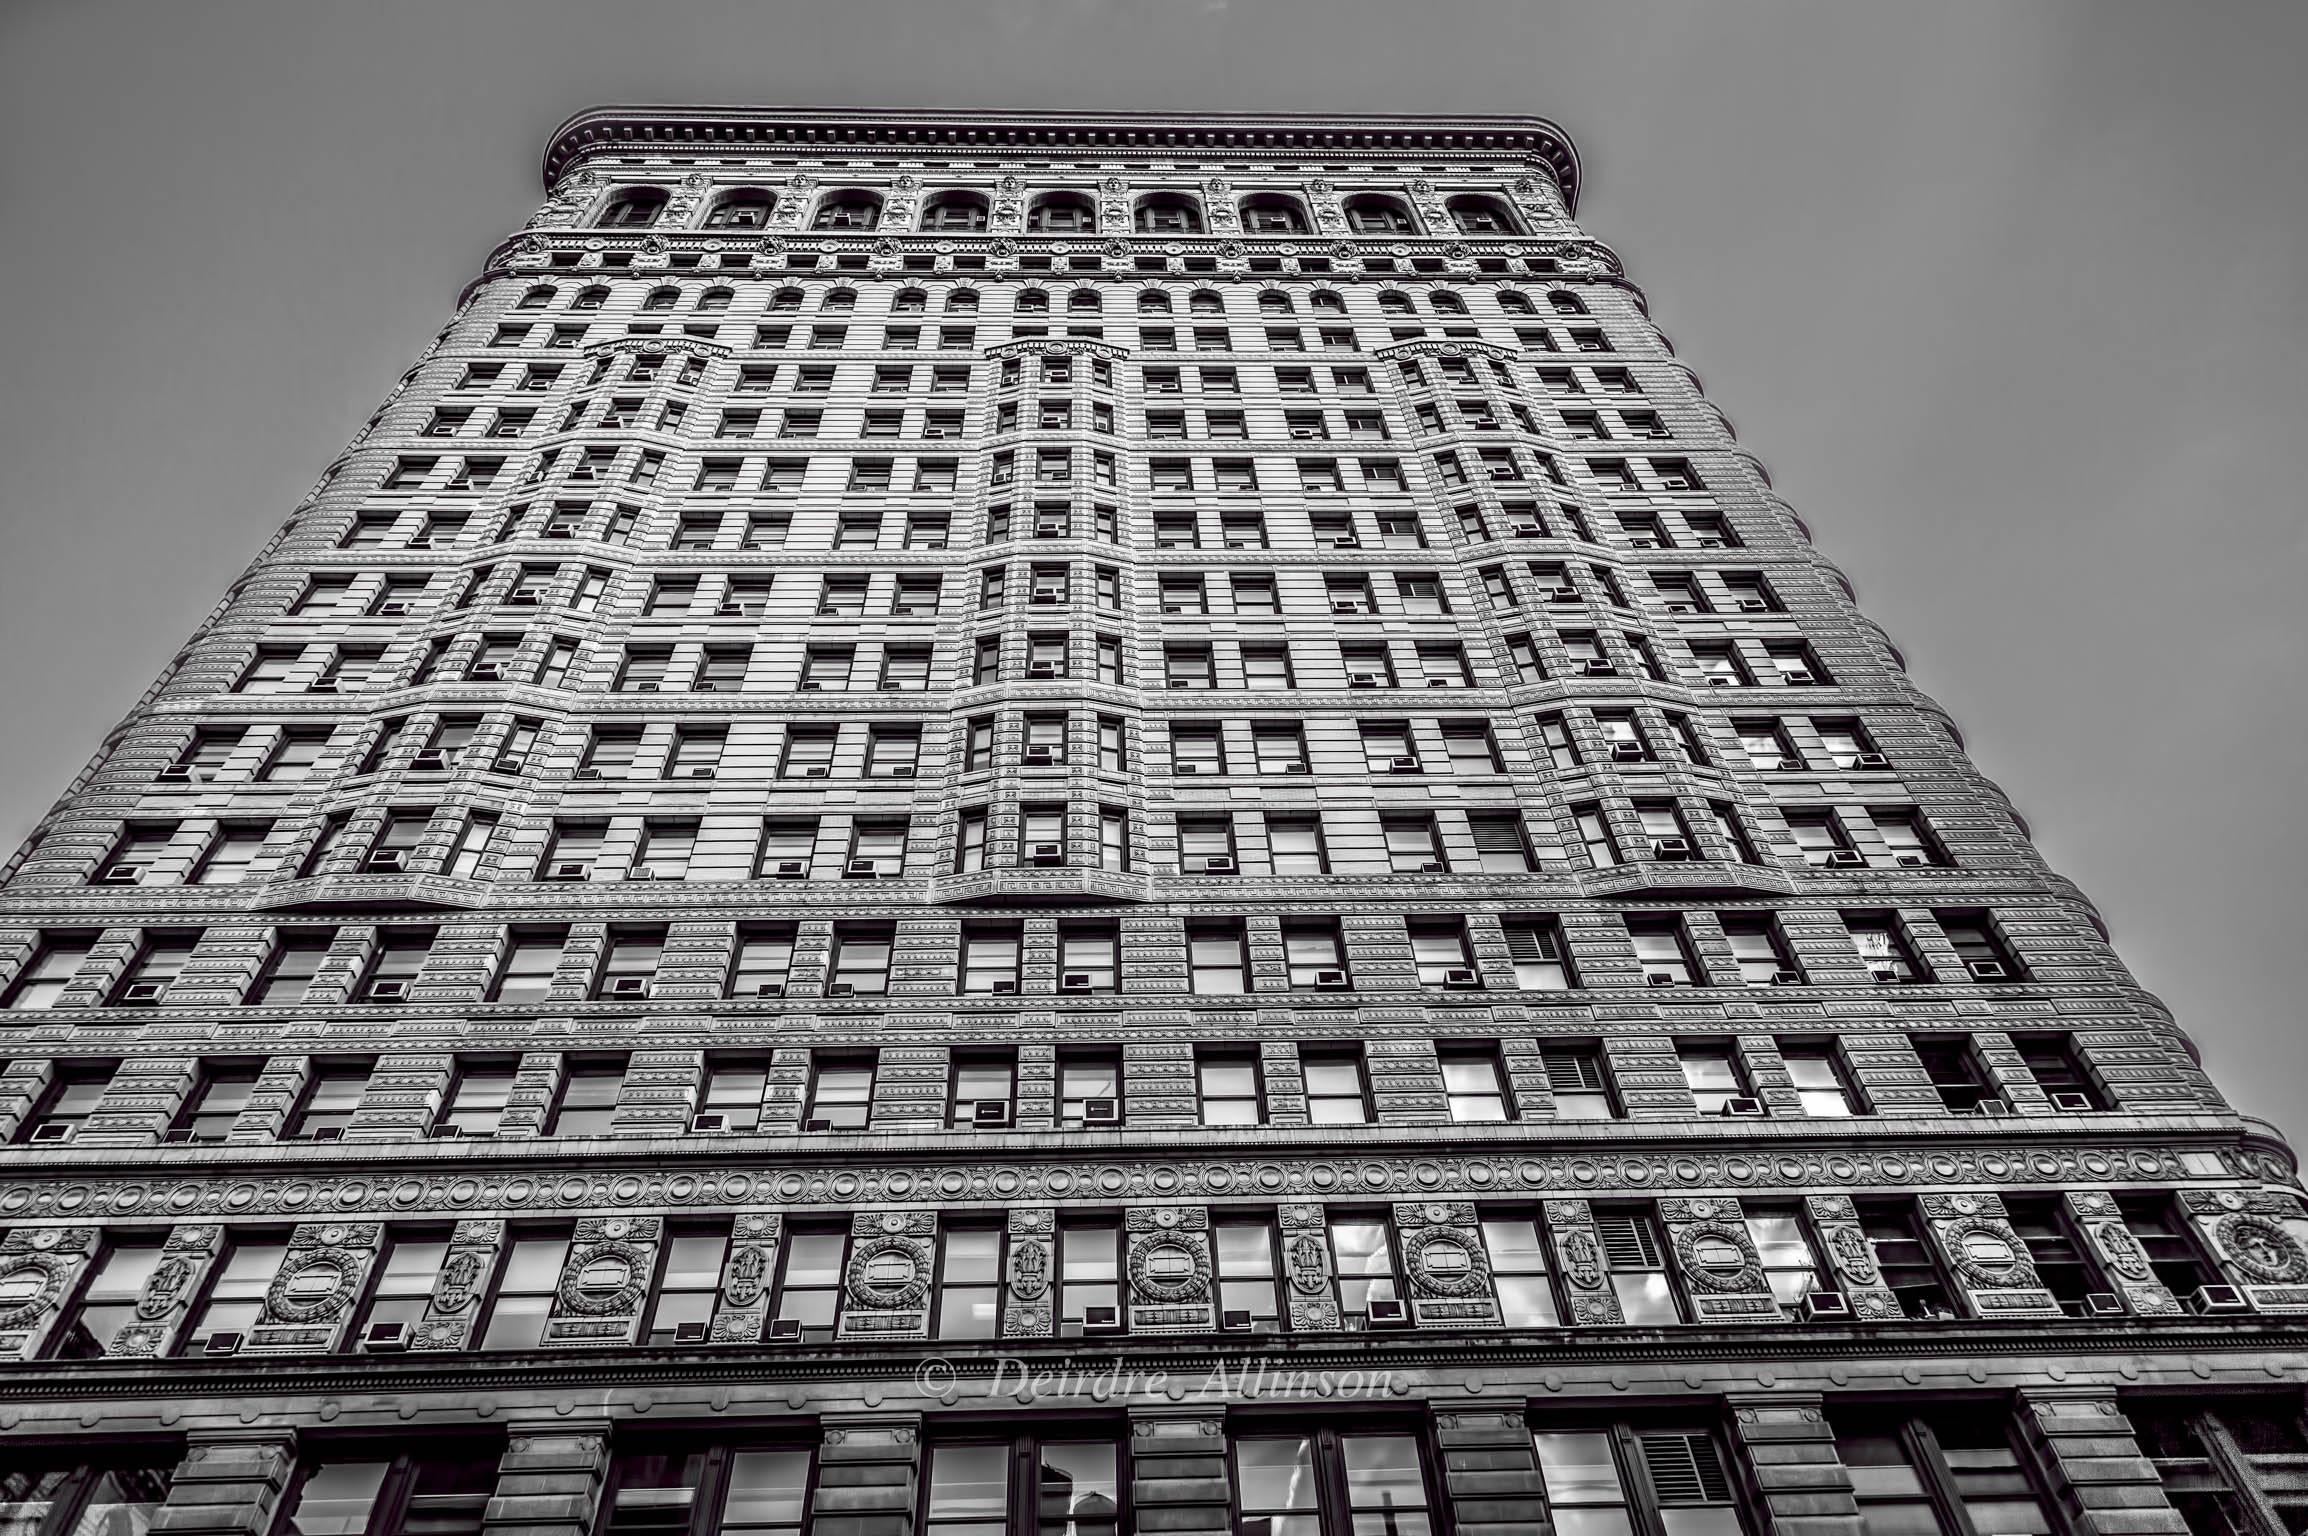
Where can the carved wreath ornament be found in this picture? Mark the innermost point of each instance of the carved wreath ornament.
(313, 1285)
(19, 1306)
(1986, 1254)
(872, 1278)
(2261, 1248)
(1169, 1272)
(598, 1299)
(1700, 1247)
(1443, 1263)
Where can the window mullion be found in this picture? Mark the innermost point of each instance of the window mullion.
(706, 1499)
(1923, 1445)
(390, 1512)
(2236, 1470)
(1330, 1474)
(1025, 1488)
(64, 1511)
(1635, 1479)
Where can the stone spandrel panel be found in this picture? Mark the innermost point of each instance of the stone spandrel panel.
(1851, 1258)
(2121, 1257)
(2257, 1235)
(310, 1302)
(1307, 1272)
(1986, 1256)
(605, 1280)
(1578, 1258)
(454, 1309)
(186, 1257)
(741, 1311)
(1716, 1258)
(1168, 1267)
(1444, 1260)
(39, 1268)
(1029, 1303)
(886, 1286)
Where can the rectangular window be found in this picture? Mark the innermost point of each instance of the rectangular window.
(1618, 1480)
(587, 1104)
(1217, 959)
(1474, 1083)
(1634, 1259)
(1227, 1086)
(1337, 1091)
(1816, 1070)
(1330, 1481)
(1950, 1472)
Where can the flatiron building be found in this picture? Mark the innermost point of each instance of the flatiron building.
(1026, 824)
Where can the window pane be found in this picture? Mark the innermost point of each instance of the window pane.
(336, 1498)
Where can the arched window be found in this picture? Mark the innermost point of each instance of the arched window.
(1513, 303)
(1206, 302)
(633, 208)
(1033, 301)
(785, 298)
(955, 210)
(962, 301)
(1168, 213)
(1448, 304)
(1393, 303)
(661, 298)
(538, 297)
(1369, 213)
(1326, 303)
(590, 298)
(1565, 303)
(910, 301)
(1272, 303)
(1270, 213)
(1154, 301)
(714, 300)
(839, 302)
(1062, 213)
(741, 208)
(1084, 301)
(851, 209)
(1477, 215)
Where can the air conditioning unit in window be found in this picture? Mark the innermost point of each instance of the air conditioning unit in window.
(1048, 853)
(1871, 760)
(2103, 1304)
(1346, 541)
(429, 762)
(643, 872)
(1101, 1319)
(221, 1343)
(1362, 680)
(810, 685)
(175, 773)
(392, 610)
(1824, 1307)
(1527, 531)
(1434, 867)
(902, 771)
(628, 986)
(2072, 1103)
(1402, 765)
(1844, 858)
(1799, 677)
(1042, 669)
(1330, 980)
(524, 598)
(388, 861)
(785, 1330)
(1345, 605)
(1672, 850)
(1656, 979)
(1235, 1320)
(645, 687)
(1738, 1108)
(1991, 1108)
(1185, 768)
(841, 989)
(570, 872)
(1039, 757)
(484, 672)
(816, 1124)
(560, 533)
(1754, 605)
(1787, 978)
(52, 1134)
(448, 1132)
(382, 1338)
(177, 1135)
(122, 874)
(1074, 981)
(1718, 680)
(817, 771)
(1627, 751)
(2217, 1298)
(1002, 988)
(990, 1113)
(791, 869)
(420, 541)
(1218, 864)
(326, 1133)
(1101, 1112)
(1386, 1312)
(709, 1123)
(689, 1333)
(1911, 860)
(1989, 970)
(390, 989)
(1461, 976)
(1562, 594)
(1598, 669)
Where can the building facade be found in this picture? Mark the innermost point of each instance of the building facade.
(1044, 825)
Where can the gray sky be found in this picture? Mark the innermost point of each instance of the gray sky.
(2009, 296)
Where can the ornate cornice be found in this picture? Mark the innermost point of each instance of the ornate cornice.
(820, 128)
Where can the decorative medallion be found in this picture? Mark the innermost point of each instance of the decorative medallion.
(887, 1273)
(2261, 1248)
